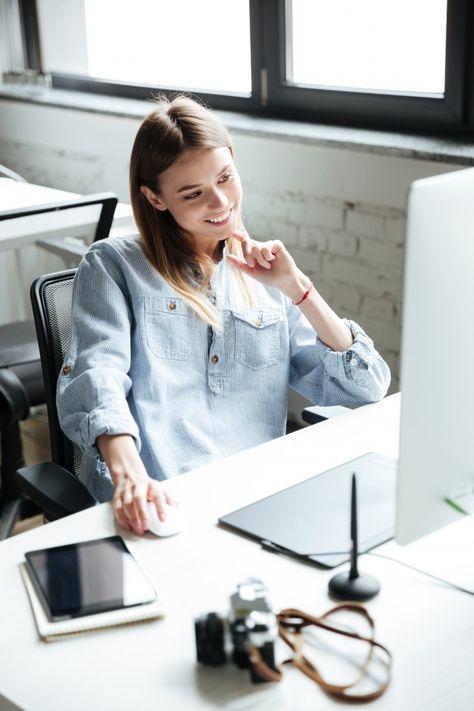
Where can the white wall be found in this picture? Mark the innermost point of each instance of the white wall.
(341, 212)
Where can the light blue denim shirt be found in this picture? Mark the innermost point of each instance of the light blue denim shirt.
(140, 361)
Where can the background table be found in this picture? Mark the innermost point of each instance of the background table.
(20, 260)
(428, 626)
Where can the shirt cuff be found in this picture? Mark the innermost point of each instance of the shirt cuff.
(358, 357)
(99, 423)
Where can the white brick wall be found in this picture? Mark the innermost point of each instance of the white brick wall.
(340, 212)
(342, 215)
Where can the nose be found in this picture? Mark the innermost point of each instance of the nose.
(218, 200)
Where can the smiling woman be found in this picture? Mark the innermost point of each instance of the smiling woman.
(183, 180)
(212, 199)
(185, 339)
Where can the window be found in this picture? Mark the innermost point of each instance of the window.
(402, 65)
(153, 43)
(368, 45)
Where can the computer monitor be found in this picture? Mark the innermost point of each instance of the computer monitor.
(437, 368)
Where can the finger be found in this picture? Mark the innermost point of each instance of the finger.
(159, 499)
(119, 514)
(142, 520)
(277, 246)
(127, 503)
(247, 250)
(268, 254)
(129, 507)
(258, 256)
(240, 264)
(240, 236)
(245, 241)
(170, 500)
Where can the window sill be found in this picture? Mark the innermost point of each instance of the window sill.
(442, 149)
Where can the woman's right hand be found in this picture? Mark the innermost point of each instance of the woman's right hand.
(133, 487)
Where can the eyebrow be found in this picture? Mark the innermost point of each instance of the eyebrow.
(191, 187)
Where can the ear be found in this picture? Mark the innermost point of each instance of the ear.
(153, 199)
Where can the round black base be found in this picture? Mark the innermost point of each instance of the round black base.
(342, 587)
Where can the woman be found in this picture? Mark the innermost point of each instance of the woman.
(184, 340)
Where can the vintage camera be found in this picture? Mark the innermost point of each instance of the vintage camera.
(251, 624)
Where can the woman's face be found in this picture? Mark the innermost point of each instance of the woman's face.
(202, 191)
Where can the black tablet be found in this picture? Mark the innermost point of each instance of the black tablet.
(312, 518)
(87, 578)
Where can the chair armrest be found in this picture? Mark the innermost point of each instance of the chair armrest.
(14, 401)
(55, 490)
(313, 415)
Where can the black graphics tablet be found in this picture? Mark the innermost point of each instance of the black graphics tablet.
(312, 518)
(87, 578)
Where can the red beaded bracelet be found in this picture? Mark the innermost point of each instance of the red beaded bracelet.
(305, 295)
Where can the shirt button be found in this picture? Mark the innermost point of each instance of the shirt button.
(259, 321)
(214, 359)
(353, 361)
(66, 370)
(172, 305)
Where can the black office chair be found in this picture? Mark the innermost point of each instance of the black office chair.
(54, 486)
(21, 375)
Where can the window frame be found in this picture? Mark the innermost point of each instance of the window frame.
(273, 96)
(360, 108)
(218, 100)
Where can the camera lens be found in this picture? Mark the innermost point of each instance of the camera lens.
(209, 631)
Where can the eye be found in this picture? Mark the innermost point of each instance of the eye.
(192, 196)
(226, 177)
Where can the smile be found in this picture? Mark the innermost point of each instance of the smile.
(222, 219)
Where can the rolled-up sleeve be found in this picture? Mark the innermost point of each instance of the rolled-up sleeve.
(94, 381)
(353, 377)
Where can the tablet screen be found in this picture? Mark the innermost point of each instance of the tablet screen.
(88, 577)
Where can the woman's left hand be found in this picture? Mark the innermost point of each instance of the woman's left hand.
(268, 262)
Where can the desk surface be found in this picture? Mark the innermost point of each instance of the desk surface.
(23, 232)
(428, 626)
(20, 260)
(14, 194)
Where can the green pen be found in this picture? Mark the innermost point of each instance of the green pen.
(456, 506)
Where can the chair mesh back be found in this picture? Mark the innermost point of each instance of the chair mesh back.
(56, 299)
(58, 303)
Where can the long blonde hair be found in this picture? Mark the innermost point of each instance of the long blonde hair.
(173, 128)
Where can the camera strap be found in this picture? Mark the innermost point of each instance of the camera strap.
(291, 623)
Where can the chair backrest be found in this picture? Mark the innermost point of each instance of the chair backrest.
(51, 298)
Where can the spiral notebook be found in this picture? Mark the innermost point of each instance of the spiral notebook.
(53, 631)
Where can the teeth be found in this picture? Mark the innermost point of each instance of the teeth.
(220, 219)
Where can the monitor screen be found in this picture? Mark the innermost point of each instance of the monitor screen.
(437, 376)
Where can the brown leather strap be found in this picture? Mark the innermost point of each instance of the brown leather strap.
(291, 624)
(262, 667)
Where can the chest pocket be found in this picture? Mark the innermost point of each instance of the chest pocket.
(257, 337)
(169, 327)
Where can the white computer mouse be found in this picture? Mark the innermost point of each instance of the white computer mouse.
(172, 524)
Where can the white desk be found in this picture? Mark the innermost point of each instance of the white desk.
(15, 234)
(20, 261)
(428, 627)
